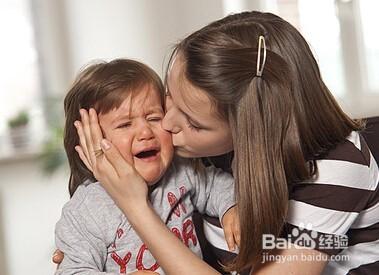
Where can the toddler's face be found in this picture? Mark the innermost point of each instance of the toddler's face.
(135, 129)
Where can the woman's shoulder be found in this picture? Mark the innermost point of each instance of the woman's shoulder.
(349, 164)
(353, 149)
(346, 183)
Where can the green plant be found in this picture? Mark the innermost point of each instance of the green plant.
(22, 118)
(53, 155)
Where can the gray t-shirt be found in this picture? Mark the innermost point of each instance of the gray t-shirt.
(97, 238)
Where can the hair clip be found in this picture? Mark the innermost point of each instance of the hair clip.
(261, 43)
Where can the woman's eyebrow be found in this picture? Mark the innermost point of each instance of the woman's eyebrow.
(195, 122)
(188, 117)
(154, 110)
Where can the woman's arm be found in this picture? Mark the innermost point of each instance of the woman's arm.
(168, 250)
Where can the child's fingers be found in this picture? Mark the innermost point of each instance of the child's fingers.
(57, 257)
(229, 237)
(83, 157)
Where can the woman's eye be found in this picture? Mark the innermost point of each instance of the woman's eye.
(193, 127)
(153, 119)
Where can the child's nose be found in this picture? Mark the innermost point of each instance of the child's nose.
(145, 132)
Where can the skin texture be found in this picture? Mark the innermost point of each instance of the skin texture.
(132, 128)
(197, 130)
(136, 126)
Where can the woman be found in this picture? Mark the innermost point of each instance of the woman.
(249, 83)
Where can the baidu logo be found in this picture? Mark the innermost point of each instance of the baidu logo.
(303, 236)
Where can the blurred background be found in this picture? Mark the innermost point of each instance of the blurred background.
(44, 44)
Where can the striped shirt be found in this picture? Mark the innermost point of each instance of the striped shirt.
(336, 212)
(341, 204)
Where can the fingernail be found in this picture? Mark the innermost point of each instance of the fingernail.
(76, 124)
(105, 144)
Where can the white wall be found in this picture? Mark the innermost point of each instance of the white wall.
(143, 29)
(72, 33)
(30, 205)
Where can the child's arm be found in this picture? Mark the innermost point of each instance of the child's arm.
(213, 191)
(85, 252)
(214, 196)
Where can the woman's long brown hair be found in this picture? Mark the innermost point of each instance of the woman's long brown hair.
(102, 86)
(281, 122)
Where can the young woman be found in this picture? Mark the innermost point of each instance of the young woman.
(249, 83)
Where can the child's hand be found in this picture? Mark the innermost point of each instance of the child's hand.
(57, 257)
(231, 226)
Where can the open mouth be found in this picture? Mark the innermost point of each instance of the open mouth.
(147, 154)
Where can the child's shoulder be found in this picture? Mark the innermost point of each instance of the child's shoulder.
(183, 166)
(89, 196)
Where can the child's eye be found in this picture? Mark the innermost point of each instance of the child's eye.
(124, 125)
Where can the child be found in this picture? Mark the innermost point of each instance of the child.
(93, 233)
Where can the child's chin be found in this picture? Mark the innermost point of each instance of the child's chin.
(152, 177)
(152, 180)
(151, 183)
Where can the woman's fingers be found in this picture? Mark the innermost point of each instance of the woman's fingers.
(82, 140)
(83, 157)
(112, 154)
(96, 133)
(87, 136)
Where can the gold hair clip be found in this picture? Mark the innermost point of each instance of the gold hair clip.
(261, 44)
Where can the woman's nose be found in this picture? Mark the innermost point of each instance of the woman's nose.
(169, 123)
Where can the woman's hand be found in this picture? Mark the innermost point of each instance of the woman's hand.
(117, 175)
(231, 226)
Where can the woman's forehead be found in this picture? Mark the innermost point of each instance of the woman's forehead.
(191, 100)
